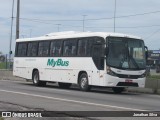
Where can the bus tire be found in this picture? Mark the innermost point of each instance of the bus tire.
(64, 85)
(83, 82)
(36, 80)
(118, 90)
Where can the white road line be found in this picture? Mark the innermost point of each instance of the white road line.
(73, 101)
(19, 81)
(53, 89)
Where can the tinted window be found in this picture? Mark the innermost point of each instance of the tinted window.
(43, 49)
(82, 47)
(90, 44)
(69, 48)
(55, 48)
(22, 49)
(97, 56)
(32, 49)
(94, 41)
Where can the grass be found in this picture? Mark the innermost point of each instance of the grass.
(2, 65)
(1, 118)
(154, 77)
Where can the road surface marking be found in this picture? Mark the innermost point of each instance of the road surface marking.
(74, 101)
(6, 80)
(37, 87)
(53, 89)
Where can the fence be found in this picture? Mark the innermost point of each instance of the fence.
(5, 62)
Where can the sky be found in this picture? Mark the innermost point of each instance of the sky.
(39, 17)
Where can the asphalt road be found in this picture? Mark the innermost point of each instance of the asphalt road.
(52, 98)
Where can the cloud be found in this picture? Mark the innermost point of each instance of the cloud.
(74, 10)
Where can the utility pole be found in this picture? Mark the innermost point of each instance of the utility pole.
(115, 16)
(83, 21)
(159, 57)
(30, 33)
(58, 26)
(10, 43)
(17, 19)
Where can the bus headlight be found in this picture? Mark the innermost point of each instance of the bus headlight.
(110, 72)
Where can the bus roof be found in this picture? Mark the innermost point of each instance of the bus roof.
(73, 34)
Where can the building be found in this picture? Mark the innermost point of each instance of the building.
(154, 59)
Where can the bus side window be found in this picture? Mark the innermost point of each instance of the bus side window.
(70, 48)
(66, 51)
(55, 48)
(43, 48)
(98, 53)
(22, 49)
(89, 46)
(32, 49)
(58, 48)
(29, 51)
(82, 47)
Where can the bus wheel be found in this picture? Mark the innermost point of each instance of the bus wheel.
(83, 82)
(64, 85)
(118, 90)
(36, 80)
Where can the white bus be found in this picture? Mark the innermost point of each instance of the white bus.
(88, 59)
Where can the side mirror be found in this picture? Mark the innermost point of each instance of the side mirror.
(146, 52)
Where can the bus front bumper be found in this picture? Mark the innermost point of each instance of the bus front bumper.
(113, 81)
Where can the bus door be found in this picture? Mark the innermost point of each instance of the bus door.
(98, 59)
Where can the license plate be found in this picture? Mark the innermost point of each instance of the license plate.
(130, 81)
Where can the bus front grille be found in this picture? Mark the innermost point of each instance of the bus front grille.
(128, 76)
(127, 84)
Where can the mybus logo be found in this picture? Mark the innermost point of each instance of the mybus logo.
(59, 62)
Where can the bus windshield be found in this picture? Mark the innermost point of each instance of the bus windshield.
(126, 53)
